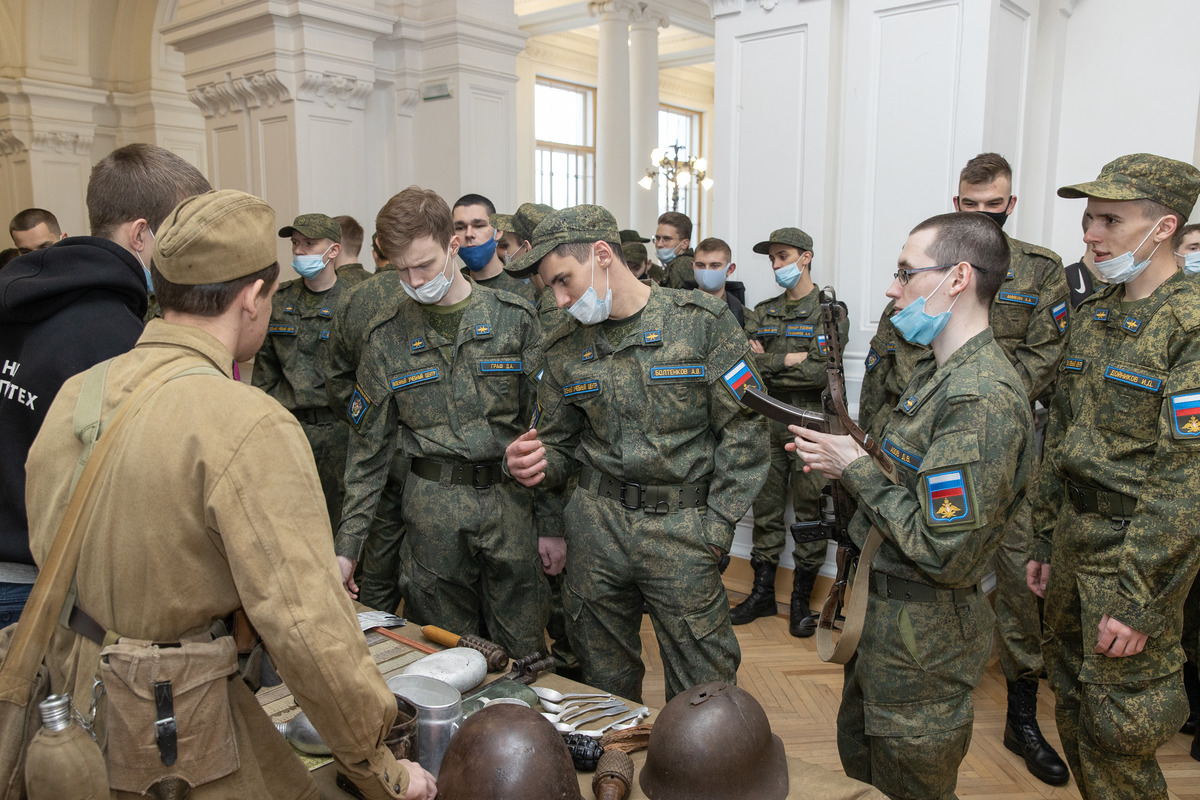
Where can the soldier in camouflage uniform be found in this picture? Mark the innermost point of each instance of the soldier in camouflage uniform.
(473, 214)
(962, 438)
(349, 270)
(639, 398)
(633, 250)
(791, 354)
(444, 380)
(1114, 549)
(672, 243)
(1187, 256)
(290, 365)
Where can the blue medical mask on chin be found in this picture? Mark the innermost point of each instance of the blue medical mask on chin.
(1191, 262)
(309, 266)
(788, 276)
(149, 281)
(666, 254)
(710, 280)
(1123, 268)
(433, 290)
(589, 309)
(918, 327)
(478, 256)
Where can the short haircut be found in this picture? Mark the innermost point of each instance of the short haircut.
(30, 218)
(375, 246)
(1181, 232)
(985, 168)
(714, 245)
(972, 238)
(139, 181)
(582, 251)
(410, 215)
(680, 222)
(1153, 210)
(352, 235)
(476, 200)
(206, 299)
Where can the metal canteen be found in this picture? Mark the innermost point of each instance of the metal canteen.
(439, 715)
(303, 736)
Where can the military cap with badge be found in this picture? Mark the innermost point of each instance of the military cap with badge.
(584, 224)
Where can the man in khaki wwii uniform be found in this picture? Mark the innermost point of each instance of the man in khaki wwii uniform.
(788, 341)
(1029, 321)
(349, 269)
(640, 399)
(963, 442)
(443, 379)
(1114, 547)
(673, 246)
(473, 226)
(226, 515)
(290, 365)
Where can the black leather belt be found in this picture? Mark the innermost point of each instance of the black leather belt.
(894, 588)
(1113, 505)
(652, 498)
(314, 416)
(458, 473)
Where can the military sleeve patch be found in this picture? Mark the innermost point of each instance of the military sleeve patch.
(417, 345)
(739, 378)
(359, 404)
(1131, 325)
(325, 312)
(1185, 410)
(1017, 297)
(589, 353)
(822, 344)
(872, 359)
(652, 337)
(1060, 316)
(947, 495)
(281, 330)
(1101, 315)
(410, 379)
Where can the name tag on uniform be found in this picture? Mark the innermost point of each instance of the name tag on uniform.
(767, 330)
(1134, 379)
(281, 330)
(581, 388)
(499, 365)
(679, 372)
(410, 379)
(800, 330)
(901, 456)
(1017, 297)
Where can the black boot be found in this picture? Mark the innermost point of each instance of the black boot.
(761, 602)
(1191, 684)
(803, 621)
(1023, 736)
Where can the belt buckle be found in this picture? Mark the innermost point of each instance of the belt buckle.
(625, 487)
(1076, 497)
(476, 480)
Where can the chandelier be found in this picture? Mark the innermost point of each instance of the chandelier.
(677, 170)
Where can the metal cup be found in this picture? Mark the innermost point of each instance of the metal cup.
(439, 714)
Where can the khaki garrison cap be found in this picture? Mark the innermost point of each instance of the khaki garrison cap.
(789, 236)
(314, 226)
(1143, 176)
(577, 224)
(215, 237)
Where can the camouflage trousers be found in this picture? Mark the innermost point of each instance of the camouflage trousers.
(905, 721)
(616, 559)
(785, 477)
(1018, 616)
(384, 553)
(1113, 713)
(329, 441)
(474, 562)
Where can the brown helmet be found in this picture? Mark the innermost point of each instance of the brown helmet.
(713, 742)
(507, 752)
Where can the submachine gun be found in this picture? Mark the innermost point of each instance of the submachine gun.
(836, 506)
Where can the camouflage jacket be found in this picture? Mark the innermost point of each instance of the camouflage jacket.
(679, 273)
(1126, 418)
(291, 364)
(503, 282)
(660, 407)
(352, 274)
(792, 326)
(962, 437)
(365, 305)
(464, 400)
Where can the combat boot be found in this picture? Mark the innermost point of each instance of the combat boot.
(803, 622)
(1023, 736)
(761, 602)
(1191, 684)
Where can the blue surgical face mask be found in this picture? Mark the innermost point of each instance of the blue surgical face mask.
(666, 254)
(918, 327)
(788, 276)
(710, 280)
(589, 309)
(1123, 268)
(309, 266)
(478, 256)
(1191, 262)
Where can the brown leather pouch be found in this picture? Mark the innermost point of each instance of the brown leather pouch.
(168, 713)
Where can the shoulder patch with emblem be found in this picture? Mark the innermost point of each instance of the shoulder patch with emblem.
(1101, 315)
(891, 347)
(822, 344)
(359, 404)
(289, 309)
(1060, 316)
(1185, 411)
(482, 331)
(1131, 324)
(325, 312)
(589, 353)
(739, 377)
(652, 337)
(872, 359)
(947, 494)
(324, 335)
(417, 345)
(910, 404)
(1010, 275)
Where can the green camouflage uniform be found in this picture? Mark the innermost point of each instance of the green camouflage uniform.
(652, 410)
(352, 274)
(962, 437)
(679, 273)
(507, 283)
(785, 326)
(366, 305)
(456, 404)
(290, 366)
(1118, 423)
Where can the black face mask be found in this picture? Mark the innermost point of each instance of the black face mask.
(998, 217)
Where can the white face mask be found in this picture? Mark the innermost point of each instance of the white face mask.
(589, 309)
(433, 290)
(1123, 268)
(1191, 262)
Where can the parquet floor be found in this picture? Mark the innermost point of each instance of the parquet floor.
(800, 694)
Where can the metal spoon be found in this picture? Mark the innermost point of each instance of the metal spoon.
(556, 708)
(571, 727)
(563, 716)
(621, 723)
(557, 697)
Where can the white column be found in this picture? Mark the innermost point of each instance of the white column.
(643, 111)
(614, 171)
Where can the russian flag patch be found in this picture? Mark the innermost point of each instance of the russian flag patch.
(948, 501)
(1060, 316)
(1185, 409)
(738, 378)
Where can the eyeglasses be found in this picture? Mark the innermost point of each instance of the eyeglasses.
(904, 275)
(665, 239)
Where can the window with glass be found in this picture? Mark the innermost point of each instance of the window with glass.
(564, 125)
(680, 126)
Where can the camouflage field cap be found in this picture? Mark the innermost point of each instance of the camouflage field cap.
(789, 236)
(576, 224)
(528, 217)
(628, 235)
(502, 222)
(314, 226)
(215, 237)
(1143, 176)
(634, 251)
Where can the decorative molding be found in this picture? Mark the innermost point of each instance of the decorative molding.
(619, 9)
(406, 102)
(561, 57)
(61, 142)
(254, 89)
(334, 89)
(646, 16)
(10, 144)
(724, 8)
(767, 5)
(266, 87)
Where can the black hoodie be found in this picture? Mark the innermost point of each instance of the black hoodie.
(62, 310)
